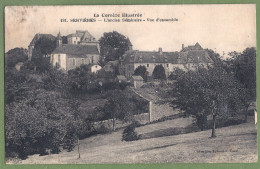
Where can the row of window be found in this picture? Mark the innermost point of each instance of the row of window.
(167, 65)
(73, 60)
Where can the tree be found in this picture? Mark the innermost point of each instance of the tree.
(14, 56)
(41, 120)
(206, 92)
(159, 72)
(141, 71)
(176, 73)
(113, 45)
(119, 106)
(245, 72)
(43, 47)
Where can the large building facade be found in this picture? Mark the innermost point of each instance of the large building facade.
(189, 58)
(82, 48)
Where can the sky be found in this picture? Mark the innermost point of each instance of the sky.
(222, 28)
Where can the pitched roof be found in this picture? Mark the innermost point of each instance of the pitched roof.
(138, 78)
(194, 56)
(38, 36)
(85, 36)
(195, 47)
(135, 56)
(77, 50)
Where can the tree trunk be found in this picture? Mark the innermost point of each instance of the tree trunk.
(78, 148)
(114, 129)
(245, 120)
(213, 134)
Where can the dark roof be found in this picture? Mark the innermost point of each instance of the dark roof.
(85, 36)
(38, 36)
(77, 50)
(195, 47)
(135, 56)
(190, 54)
(194, 56)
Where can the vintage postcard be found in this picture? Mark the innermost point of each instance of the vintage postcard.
(128, 84)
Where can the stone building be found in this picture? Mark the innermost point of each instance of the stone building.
(136, 81)
(82, 48)
(189, 58)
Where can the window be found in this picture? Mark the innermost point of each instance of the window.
(147, 65)
(92, 60)
(82, 61)
(74, 62)
(167, 65)
(59, 59)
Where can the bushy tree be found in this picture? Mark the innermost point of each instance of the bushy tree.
(129, 133)
(113, 45)
(81, 80)
(42, 120)
(207, 92)
(14, 56)
(119, 106)
(176, 73)
(43, 47)
(159, 72)
(245, 71)
(141, 71)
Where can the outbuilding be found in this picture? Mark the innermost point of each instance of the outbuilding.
(136, 81)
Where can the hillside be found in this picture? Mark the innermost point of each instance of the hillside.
(233, 144)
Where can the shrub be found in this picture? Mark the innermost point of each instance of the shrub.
(129, 133)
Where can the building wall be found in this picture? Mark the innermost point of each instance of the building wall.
(74, 62)
(95, 68)
(168, 67)
(73, 40)
(150, 67)
(59, 59)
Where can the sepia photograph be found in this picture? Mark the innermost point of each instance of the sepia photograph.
(130, 84)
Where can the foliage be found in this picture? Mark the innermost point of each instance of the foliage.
(42, 120)
(121, 105)
(159, 72)
(207, 92)
(14, 56)
(113, 45)
(64, 40)
(129, 133)
(40, 59)
(245, 70)
(44, 46)
(176, 73)
(141, 71)
(243, 66)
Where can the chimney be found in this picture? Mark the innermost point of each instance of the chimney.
(182, 46)
(160, 51)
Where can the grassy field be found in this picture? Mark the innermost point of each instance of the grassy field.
(234, 144)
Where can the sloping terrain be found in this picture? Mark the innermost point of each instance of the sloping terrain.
(233, 144)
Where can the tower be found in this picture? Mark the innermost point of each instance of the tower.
(59, 40)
